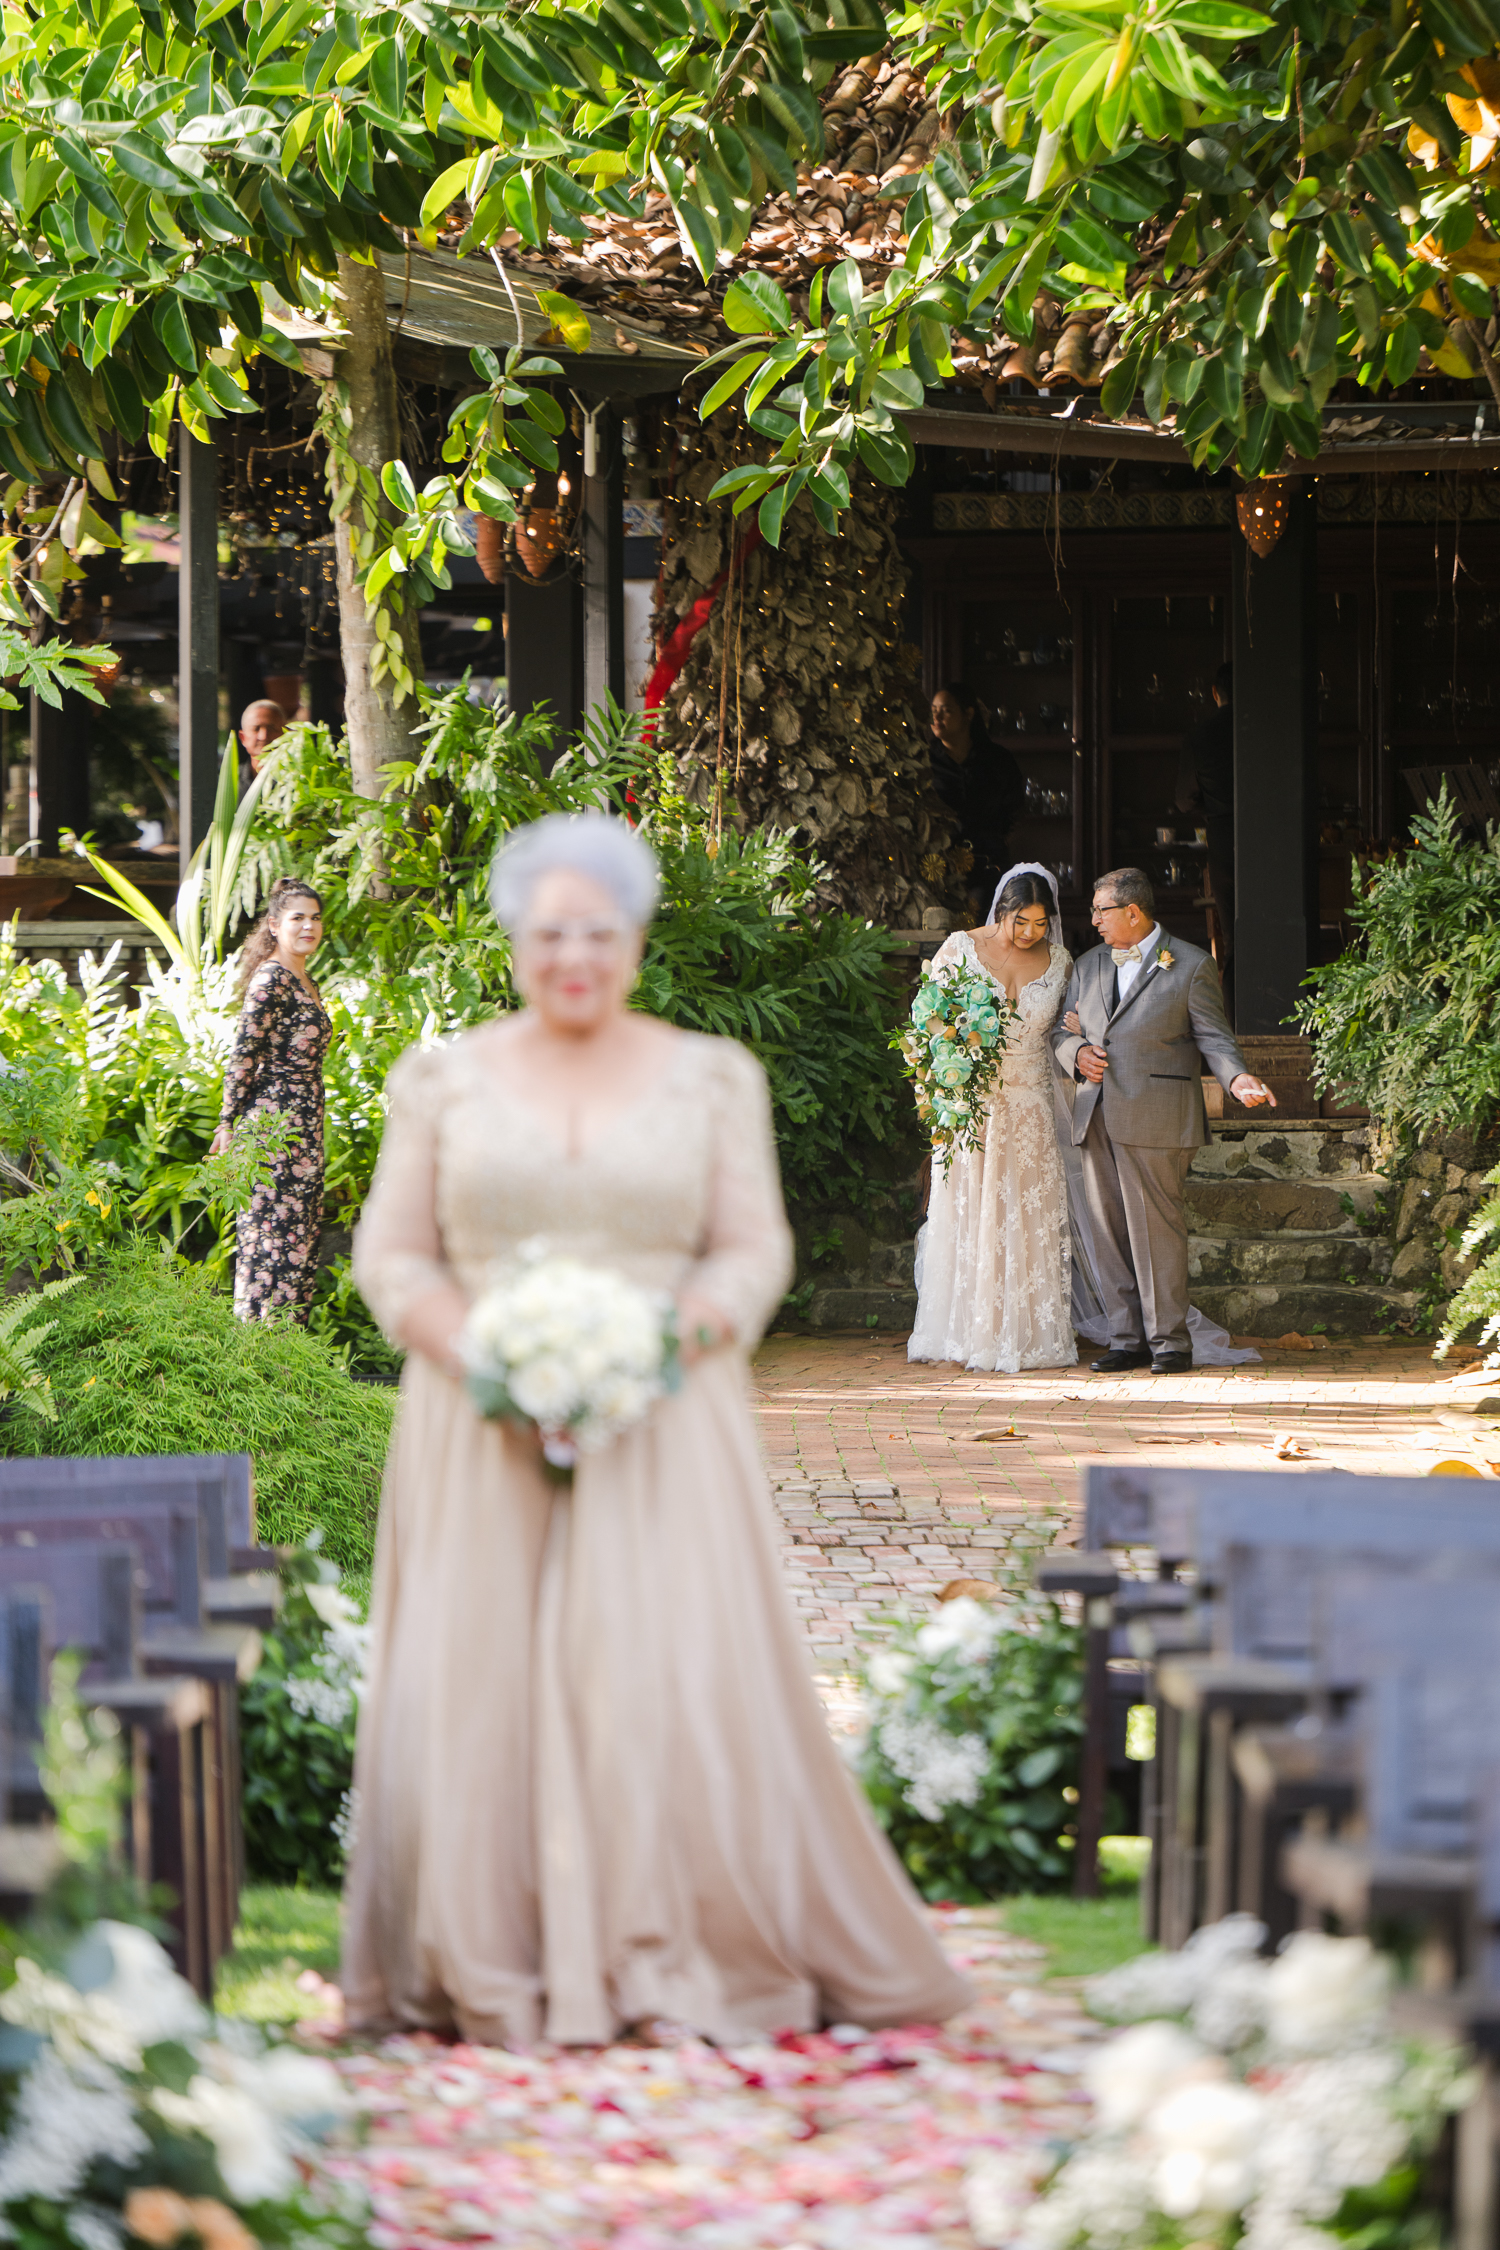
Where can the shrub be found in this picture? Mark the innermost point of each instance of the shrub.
(146, 1356)
(975, 1722)
(297, 1719)
(1478, 1301)
(1408, 1018)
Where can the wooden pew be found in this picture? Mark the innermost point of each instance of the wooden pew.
(198, 1623)
(240, 1583)
(1191, 1517)
(1414, 1645)
(86, 1595)
(174, 1521)
(1114, 1605)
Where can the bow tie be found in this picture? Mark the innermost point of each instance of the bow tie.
(1120, 954)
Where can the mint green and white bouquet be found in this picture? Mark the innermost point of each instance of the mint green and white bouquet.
(578, 1353)
(952, 1048)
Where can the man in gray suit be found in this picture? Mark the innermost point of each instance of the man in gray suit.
(1148, 1008)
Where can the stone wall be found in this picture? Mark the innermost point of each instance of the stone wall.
(801, 673)
(1437, 1190)
(1312, 1225)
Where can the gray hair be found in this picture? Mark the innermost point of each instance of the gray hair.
(599, 845)
(1127, 886)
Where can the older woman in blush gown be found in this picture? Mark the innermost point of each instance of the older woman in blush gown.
(595, 1785)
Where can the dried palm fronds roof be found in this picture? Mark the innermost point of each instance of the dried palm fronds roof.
(879, 127)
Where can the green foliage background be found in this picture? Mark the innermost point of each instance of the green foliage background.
(1408, 1017)
(297, 1767)
(739, 946)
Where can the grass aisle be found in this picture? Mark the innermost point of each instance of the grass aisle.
(284, 1933)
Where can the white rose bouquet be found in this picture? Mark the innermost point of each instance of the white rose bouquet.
(573, 1351)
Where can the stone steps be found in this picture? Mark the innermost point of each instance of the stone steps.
(1276, 1240)
(1285, 1232)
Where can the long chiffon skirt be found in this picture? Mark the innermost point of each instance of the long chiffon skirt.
(594, 1784)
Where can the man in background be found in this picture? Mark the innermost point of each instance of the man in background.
(1205, 787)
(978, 781)
(261, 723)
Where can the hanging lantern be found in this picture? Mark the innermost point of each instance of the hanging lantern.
(1263, 509)
(539, 538)
(489, 547)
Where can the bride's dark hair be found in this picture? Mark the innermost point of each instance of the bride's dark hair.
(261, 943)
(1021, 891)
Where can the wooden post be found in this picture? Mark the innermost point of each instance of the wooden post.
(198, 744)
(603, 559)
(1093, 1771)
(54, 766)
(544, 649)
(1275, 642)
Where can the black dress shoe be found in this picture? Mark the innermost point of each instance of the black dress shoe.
(1173, 1363)
(1115, 1363)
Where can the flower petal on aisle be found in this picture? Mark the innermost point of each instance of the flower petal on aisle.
(840, 2140)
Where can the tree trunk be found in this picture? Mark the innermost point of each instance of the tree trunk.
(379, 723)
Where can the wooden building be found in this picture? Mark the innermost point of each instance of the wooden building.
(1092, 620)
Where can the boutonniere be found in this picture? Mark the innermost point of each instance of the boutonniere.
(1164, 959)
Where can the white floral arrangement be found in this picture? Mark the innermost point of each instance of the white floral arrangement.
(972, 1745)
(120, 2082)
(576, 1352)
(1259, 2104)
(938, 1766)
(331, 1692)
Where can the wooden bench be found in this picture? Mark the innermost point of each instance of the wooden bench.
(190, 1519)
(85, 1595)
(1191, 1518)
(1412, 1646)
(203, 1613)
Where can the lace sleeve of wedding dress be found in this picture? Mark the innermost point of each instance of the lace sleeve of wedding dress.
(747, 1259)
(398, 1252)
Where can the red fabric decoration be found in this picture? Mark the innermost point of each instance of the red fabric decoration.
(675, 649)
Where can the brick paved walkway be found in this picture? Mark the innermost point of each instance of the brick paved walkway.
(892, 1479)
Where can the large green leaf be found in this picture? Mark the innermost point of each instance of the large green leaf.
(754, 305)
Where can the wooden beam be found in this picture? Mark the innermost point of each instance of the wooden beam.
(1091, 439)
(59, 768)
(1050, 433)
(197, 641)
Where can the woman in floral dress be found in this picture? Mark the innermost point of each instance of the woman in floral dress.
(277, 1069)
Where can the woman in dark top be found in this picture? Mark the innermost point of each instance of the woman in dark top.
(977, 779)
(277, 1068)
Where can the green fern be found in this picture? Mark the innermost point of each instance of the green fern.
(1407, 1019)
(1479, 1299)
(20, 1377)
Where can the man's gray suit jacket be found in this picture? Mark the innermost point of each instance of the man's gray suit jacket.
(1172, 1014)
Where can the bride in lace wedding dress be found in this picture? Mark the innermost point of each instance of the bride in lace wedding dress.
(993, 1260)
